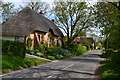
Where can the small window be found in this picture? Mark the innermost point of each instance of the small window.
(39, 37)
(43, 37)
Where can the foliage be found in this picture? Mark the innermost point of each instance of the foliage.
(37, 6)
(40, 54)
(108, 18)
(43, 48)
(11, 63)
(111, 68)
(55, 50)
(31, 51)
(59, 57)
(7, 10)
(51, 57)
(14, 47)
(29, 42)
(78, 49)
(99, 45)
(110, 23)
(73, 17)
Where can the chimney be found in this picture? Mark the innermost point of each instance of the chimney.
(53, 21)
(41, 13)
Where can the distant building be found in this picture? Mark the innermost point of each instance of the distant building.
(82, 41)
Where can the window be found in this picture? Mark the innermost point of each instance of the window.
(43, 37)
(39, 37)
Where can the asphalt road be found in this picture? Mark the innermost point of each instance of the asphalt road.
(80, 67)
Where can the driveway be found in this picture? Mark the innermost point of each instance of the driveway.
(80, 67)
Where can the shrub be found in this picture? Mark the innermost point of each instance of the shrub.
(51, 57)
(31, 51)
(15, 47)
(55, 50)
(40, 54)
(111, 68)
(29, 42)
(77, 48)
(109, 52)
(68, 55)
(59, 57)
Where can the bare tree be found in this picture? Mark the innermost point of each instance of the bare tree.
(38, 6)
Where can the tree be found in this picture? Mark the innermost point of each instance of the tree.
(7, 10)
(73, 17)
(38, 6)
(108, 18)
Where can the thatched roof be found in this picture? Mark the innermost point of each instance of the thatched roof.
(26, 22)
(83, 40)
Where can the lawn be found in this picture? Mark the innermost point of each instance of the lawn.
(12, 63)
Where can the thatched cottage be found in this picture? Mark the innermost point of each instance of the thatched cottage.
(81, 41)
(28, 23)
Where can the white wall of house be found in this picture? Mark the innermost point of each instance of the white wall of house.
(21, 39)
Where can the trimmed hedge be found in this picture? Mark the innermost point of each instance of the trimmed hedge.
(14, 48)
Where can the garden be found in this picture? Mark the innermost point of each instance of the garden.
(54, 53)
(13, 54)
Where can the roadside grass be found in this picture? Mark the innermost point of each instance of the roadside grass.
(111, 68)
(12, 63)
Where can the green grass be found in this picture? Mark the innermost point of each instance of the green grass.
(11, 63)
(111, 68)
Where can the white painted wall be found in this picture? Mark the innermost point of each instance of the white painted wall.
(21, 39)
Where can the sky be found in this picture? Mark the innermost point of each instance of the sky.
(17, 3)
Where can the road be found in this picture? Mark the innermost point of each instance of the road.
(80, 67)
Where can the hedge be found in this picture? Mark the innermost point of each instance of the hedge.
(14, 48)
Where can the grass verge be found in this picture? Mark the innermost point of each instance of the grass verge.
(12, 63)
(111, 68)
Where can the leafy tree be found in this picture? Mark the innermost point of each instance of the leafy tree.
(73, 17)
(7, 10)
(108, 18)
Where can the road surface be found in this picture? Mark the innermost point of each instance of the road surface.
(80, 67)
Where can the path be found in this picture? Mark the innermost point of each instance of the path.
(83, 66)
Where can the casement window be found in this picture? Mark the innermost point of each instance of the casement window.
(43, 37)
(39, 37)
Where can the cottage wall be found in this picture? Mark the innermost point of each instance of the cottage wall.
(38, 37)
(12, 38)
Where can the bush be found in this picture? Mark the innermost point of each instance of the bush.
(59, 57)
(40, 54)
(55, 50)
(111, 68)
(15, 47)
(78, 49)
(109, 52)
(51, 57)
(31, 51)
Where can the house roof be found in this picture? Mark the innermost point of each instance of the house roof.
(88, 39)
(28, 21)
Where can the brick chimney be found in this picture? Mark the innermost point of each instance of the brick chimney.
(53, 21)
(41, 13)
